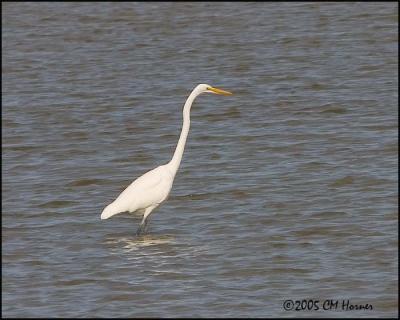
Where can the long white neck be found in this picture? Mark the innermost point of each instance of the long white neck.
(176, 159)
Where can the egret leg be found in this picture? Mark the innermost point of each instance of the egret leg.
(143, 225)
(140, 230)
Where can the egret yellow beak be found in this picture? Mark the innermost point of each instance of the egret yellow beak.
(220, 91)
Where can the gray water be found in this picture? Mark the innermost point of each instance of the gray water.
(287, 189)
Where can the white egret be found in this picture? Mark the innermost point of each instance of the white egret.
(151, 189)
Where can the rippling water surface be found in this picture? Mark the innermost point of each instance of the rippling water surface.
(287, 190)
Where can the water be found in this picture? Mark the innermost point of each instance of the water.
(287, 190)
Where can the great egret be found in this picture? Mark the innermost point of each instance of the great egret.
(151, 189)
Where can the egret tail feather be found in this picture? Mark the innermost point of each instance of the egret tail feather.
(108, 212)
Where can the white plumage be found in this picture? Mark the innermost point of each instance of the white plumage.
(151, 189)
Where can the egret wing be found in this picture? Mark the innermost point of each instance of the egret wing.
(148, 189)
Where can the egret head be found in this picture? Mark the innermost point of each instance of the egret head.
(207, 88)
